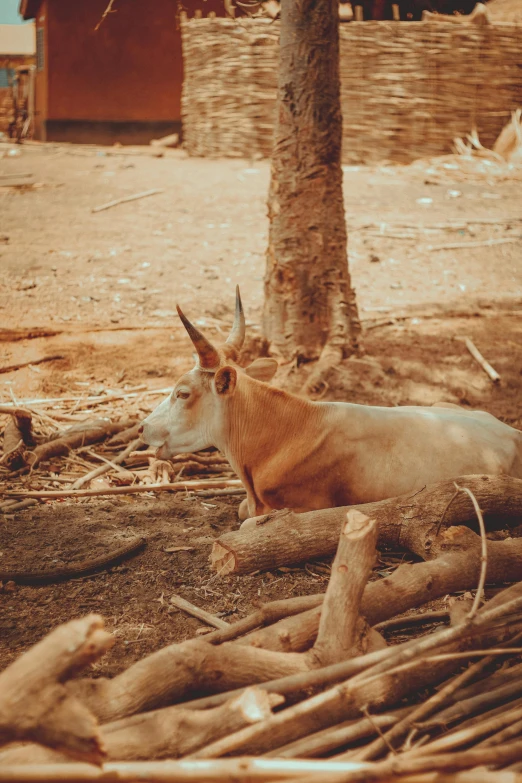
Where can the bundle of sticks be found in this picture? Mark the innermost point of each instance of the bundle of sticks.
(48, 452)
(258, 701)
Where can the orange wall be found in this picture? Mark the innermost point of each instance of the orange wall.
(129, 70)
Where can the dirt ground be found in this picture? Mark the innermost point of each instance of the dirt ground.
(106, 284)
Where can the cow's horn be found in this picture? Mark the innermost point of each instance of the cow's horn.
(237, 335)
(208, 356)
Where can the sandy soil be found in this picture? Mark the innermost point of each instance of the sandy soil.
(107, 283)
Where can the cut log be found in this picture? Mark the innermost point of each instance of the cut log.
(343, 633)
(408, 521)
(34, 703)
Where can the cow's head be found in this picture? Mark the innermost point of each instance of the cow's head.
(193, 416)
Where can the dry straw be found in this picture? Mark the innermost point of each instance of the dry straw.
(407, 89)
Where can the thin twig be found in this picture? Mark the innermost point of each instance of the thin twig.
(108, 10)
(443, 515)
(179, 486)
(115, 463)
(484, 553)
(486, 366)
(195, 611)
(125, 199)
(378, 730)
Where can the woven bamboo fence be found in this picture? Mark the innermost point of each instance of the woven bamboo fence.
(407, 89)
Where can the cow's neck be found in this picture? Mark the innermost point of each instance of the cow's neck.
(262, 422)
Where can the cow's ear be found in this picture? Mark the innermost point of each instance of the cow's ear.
(262, 369)
(225, 380)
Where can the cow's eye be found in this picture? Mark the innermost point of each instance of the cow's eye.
(182, 395)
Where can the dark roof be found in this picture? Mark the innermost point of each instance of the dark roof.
(29, 8)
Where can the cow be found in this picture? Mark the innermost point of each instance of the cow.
(293, 453)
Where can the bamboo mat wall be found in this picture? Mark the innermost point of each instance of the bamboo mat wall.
(407, 89)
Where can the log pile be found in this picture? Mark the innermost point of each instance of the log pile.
(254, 700)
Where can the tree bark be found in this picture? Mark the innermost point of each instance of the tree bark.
(309, 301)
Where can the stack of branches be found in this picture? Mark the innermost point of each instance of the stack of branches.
(285, 697)
(50, 450)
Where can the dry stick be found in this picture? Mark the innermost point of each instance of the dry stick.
(331, 738)
(216, 493)
(124, 199)
(101, 469)
(486, 366)
(178, 486)
(502, 736)
(97, 400)
(201, 614)
(74, 569)
(296, 683)
(465, 736)
(11, 450)
(183, 771)
(499, 678)
(413, 765)
(269, 613)
(412, 619)
(463, 223)
(484, 558)
(13, 367)
(173, 732)
(485, 243)
(434, 702)
(34, 703)
(325, 708)
(107, 11)
(203, 459)
(475, 704)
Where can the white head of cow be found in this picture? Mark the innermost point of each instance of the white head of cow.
(193, 416)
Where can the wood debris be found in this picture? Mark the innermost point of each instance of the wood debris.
(354, 713)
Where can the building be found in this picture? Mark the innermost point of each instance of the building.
(17, 51)
(109, 72)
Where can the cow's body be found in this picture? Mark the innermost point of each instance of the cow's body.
(294, 453)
